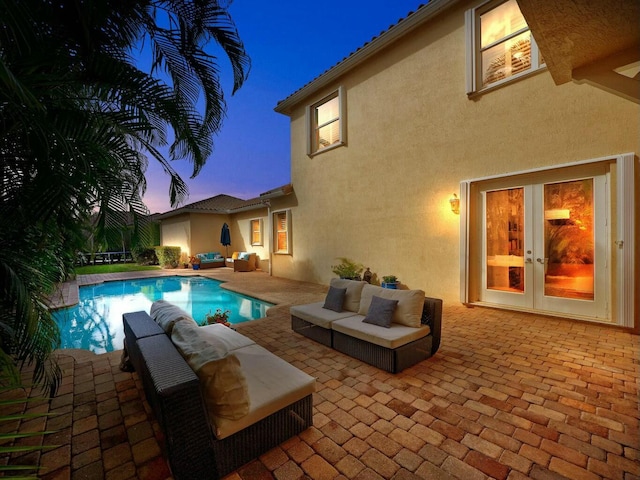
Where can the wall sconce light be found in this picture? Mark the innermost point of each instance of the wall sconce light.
(455, 204)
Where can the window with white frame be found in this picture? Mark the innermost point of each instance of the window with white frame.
(282, 231)
(500, 45)
(256, 231)
(326, 125)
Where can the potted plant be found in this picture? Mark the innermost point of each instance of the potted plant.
(218, 317)
(390, 281)
(347, 269)
(195, 262)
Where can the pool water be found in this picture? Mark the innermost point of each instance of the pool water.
(96, 322)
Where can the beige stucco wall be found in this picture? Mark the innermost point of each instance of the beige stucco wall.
(200, 233)
(205, 232)
(241, 235)
(176, 232)
(412, 136)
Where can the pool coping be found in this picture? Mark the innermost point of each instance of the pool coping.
(67, 293)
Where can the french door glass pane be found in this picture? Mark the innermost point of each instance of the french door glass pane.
(504, 240)
(569, 239)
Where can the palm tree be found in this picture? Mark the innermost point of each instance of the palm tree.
(78, 122)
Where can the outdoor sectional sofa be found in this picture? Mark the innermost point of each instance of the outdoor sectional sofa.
(211, 260)
(239, 402)
(366, 325)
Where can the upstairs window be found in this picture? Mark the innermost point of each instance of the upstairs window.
(256, 231)
(500, 44)
(281, 231)
(325, 123)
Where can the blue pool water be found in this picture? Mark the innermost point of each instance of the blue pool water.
(96, 322)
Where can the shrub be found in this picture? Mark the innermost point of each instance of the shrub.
(144, 255)
(347, 269)
(168, 257)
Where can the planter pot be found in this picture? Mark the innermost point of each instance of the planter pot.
(196, 267)
(392, 285)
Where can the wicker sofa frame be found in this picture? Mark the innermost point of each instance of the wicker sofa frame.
(173, 392)
(392, 360)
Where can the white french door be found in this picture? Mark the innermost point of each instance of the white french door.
(544, 244)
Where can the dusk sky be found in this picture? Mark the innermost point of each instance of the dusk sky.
(290, 44)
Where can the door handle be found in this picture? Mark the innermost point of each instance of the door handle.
(541, 260)
(528, 260)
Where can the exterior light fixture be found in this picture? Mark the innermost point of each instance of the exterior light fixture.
(455, 204)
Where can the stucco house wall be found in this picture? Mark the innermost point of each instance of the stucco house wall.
(205, 232)
(412, 135)
(176, 232)
(241, 230)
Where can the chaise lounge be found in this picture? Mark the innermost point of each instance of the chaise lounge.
(389, 329)
(216, 413)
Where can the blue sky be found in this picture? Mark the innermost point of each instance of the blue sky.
(290, 43)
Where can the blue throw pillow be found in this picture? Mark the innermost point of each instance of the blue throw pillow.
(380, 311)
(335, 299)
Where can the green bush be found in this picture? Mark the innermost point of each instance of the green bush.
(347, 268)
(144, 255)
(168, 257)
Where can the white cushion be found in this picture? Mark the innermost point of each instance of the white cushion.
(354, 290)
(410, 304)
(314, 313)
(273, 384)
(393, 337)
(225, 338)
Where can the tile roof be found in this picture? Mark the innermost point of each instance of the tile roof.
(225, 204)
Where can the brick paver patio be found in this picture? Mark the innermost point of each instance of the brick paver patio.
(508, 396)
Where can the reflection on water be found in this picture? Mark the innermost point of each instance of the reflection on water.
(96, 322)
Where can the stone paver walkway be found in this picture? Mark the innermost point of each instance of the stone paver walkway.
(508, 396)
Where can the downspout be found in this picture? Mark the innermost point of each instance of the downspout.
(269, 229)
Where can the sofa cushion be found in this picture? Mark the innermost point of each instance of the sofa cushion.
(316, 314)
(393, 337)
(380, 311)
(166, 315)
(354, 290)
(335, 299)
(273, 384)
(222, 381)
(410, 303)
(226, 339)
(243, 256)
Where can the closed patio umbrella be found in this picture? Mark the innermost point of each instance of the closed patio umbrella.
(225, 237)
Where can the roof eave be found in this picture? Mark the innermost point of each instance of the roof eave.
(263, 203)
(424, 13)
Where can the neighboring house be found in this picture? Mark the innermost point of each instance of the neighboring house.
(196, 227)
(459, 106)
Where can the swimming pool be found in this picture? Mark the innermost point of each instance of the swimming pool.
(95, 323)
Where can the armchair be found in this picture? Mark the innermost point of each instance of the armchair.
(246, 262)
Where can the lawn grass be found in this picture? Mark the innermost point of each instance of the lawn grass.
(114, 268)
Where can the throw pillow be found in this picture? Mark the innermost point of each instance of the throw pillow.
(335, 299)
(234, 255)
(224, 387)
(381, 311)
(166, 315)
